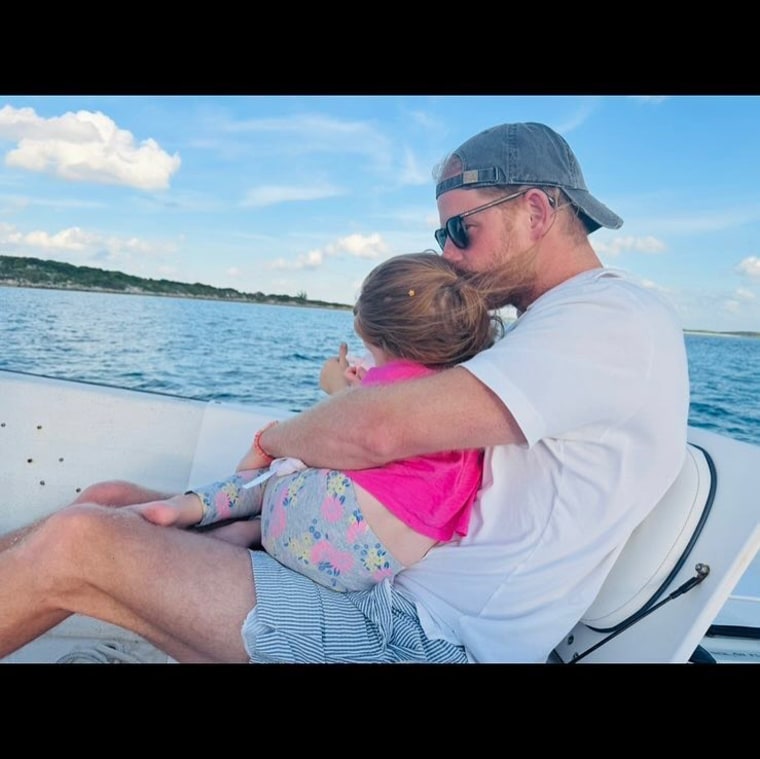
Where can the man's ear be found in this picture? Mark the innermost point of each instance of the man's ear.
(540, 209)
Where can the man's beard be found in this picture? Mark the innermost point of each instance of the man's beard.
(508, 282)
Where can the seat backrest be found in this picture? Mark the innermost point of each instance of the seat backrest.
(658, 547)
(690, 525)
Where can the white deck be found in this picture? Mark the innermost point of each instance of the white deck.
(57, 437)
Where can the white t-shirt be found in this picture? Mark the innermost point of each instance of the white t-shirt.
(595, 373)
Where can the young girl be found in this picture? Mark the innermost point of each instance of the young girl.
(416, 314)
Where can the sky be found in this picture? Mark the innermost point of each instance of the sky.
(294, 195)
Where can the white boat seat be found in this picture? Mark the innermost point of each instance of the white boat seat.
(689, 537)
(658, 547)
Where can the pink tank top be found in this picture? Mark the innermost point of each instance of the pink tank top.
(433, 494)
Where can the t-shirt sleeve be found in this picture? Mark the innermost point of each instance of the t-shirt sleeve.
(570, 364)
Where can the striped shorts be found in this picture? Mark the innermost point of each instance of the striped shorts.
(299, 621)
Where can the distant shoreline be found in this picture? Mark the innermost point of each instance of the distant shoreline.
(713, 333)
(279, 302)
(265, 300)
(23, 271)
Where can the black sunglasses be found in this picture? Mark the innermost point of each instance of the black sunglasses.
(455, 229)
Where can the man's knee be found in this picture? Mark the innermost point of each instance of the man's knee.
(107, 493)
(60, 548)
(71, 536)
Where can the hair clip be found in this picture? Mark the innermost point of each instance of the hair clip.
(411, 293)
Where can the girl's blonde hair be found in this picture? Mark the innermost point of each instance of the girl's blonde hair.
(419, 307)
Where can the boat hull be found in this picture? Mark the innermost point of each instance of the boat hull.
(58, 436)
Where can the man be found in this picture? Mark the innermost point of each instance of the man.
(582, 407)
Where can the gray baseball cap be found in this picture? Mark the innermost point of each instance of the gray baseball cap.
(527, 154)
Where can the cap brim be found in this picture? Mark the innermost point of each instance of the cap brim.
(597, 212)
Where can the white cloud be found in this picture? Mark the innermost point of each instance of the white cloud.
(744, 294)
(584, 109)
(412, 173)
(354, 246)
(708, 221)
(359, 246)
(84, 146)
(76, 240)
(270, 195)
(750, 267)
(618, 245)
(315, 133)
(67, 239)
(311, 260)
(650, 284)
(21, 201)
(425, 120)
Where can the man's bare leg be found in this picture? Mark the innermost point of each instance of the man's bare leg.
(182, 592)
(119, 493)
(106, 493)
(244, 532)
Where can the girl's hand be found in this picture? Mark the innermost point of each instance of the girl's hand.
(256, 457)
(332, 378)
(253, 460)
(354, 375)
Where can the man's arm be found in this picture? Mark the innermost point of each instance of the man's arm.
(368, 426)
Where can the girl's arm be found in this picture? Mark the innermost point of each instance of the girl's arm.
(216, 502)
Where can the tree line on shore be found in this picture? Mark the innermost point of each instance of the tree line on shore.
(35, 272)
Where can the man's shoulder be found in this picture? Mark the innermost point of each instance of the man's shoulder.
(597, 305)
(620, 288)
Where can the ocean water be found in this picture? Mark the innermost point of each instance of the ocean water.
(272, 355)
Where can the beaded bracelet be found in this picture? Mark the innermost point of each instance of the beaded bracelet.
(257, 443)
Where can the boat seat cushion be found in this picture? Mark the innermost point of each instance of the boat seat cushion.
(657, 548)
